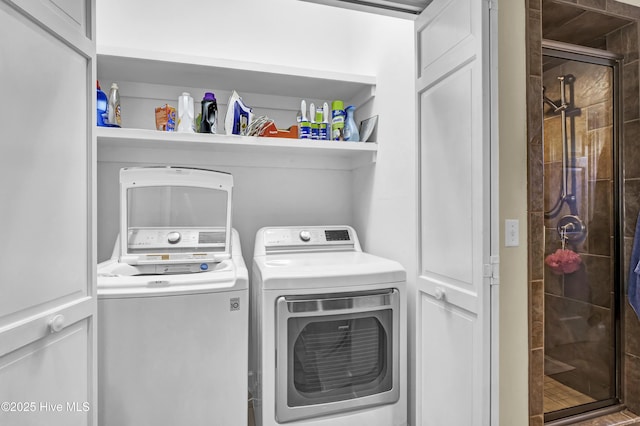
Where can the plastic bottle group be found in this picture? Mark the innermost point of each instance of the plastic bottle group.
(316, 125)
(108, 108)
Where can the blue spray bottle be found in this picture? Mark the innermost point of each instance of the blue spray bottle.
(351, 132)
(102, 105)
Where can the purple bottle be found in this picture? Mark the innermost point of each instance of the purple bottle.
(209, 121)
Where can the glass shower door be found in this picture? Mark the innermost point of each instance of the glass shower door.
(581, 236)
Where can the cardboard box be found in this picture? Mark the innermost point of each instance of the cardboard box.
(271, 131)
(166, 118)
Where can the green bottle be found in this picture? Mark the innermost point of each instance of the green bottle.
(337, 120)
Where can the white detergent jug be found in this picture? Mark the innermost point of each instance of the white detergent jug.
(186, 121)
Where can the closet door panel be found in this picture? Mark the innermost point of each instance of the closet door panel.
(47, 256)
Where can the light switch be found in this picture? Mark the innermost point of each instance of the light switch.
(511, 233)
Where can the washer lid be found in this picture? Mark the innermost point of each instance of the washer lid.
(173, 215)
(117, 280)
(323, 270)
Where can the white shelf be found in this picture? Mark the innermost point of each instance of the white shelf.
(156, 147)
(149, 76)
(117, 64)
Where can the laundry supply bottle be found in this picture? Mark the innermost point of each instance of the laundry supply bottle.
(102, 105)
(337, 120)
(324, 131)
(313, 123)
(304, 126)
(209, 121)
(351, 132)
(186, 121)
(115, 118)
(321, 129)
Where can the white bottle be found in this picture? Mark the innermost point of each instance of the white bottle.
(186, 123)
(114, 106)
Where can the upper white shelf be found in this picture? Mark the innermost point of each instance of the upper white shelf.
(117, 64)
(196, 149)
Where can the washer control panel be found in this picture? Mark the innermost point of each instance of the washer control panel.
(172, 238)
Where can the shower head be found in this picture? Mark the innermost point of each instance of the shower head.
(556, 108)
(561, 108)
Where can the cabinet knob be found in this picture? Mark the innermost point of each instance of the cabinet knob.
(56, 323)
(439, 293)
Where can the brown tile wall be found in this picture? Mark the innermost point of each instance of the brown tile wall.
(626, 42)
(623, 42)
(536, 212)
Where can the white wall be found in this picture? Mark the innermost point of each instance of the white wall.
(310, 197)
(283, 32)
(514, 342)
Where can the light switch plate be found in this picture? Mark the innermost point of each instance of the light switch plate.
(511, 233)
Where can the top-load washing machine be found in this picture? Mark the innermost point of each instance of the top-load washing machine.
(173, 304)
(328, 330)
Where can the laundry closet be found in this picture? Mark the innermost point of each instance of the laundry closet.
(275, 54)
(277, 182)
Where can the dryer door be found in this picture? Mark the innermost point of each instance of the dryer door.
(336, 353)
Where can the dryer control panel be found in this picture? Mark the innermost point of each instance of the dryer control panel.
(311, 237)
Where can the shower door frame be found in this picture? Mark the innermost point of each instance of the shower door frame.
(615, 62)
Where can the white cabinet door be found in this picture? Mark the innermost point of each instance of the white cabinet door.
(47, 255)
(453, 311)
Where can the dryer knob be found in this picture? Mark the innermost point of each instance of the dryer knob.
(173, 237)
(305, 236)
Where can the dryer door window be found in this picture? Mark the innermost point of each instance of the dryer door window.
(338, 359)
(336, 353)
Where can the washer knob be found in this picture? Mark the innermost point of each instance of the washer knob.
(305, 236)
(173, 237)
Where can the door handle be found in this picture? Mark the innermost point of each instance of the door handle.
(56, 323)
(439, 293)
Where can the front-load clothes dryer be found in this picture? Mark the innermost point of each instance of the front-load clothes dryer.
(328, 330)
(173, 305)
